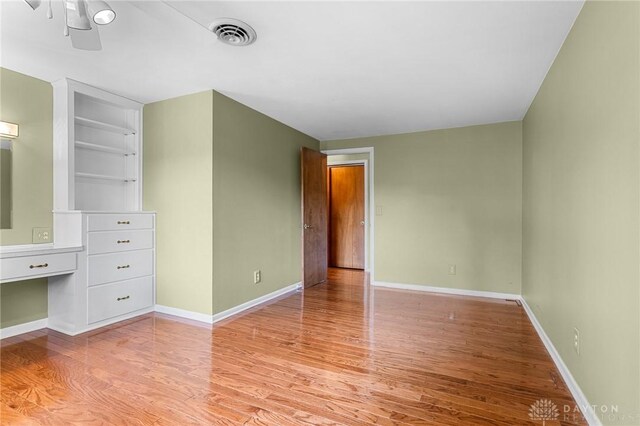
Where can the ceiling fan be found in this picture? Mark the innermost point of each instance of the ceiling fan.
(78, 18)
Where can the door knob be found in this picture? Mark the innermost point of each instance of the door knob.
(362, 222)
(307, 226)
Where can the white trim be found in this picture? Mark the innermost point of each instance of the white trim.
(183, 313)
(257, 301)
(25, 248)
(210, 319)
(574, 388)
(367, 219)
(347, 162)
(23, 328)
(100, 324)
(446, 290)
(372, 200)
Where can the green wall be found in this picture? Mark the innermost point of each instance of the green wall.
(256, 201)
(28, 102)
(214, 167)
(178, 167)
(581, 203)
(22, 302)
(448, 197)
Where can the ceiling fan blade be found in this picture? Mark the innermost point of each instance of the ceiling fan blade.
(85, 39)
(33, 4)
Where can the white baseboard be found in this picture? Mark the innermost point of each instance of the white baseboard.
(446, 290)
(574, 388)
(23, 328)
(183, 313)
(210, 319)
(250, 304)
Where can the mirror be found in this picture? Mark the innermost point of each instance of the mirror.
(6, 204)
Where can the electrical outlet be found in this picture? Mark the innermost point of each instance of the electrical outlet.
(576, 340)
(452, 269)
(41, 235)
(257, 276)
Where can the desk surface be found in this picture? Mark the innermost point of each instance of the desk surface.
(7, 252)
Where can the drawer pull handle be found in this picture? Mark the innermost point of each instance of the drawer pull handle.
(44, 265)
(123, 222)
(124, 266)
(123, 298)
(124, 241)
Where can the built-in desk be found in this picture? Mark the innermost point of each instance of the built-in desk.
(26, 262)
(33, 261)
(101, 270)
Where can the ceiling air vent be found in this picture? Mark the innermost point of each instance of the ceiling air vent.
(233, 32)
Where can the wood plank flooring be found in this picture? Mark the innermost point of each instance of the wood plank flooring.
(342, 353)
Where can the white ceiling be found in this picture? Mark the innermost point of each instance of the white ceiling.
(329, 69)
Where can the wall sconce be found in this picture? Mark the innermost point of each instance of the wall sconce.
(8, 130)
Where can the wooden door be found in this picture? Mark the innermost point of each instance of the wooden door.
(346, 216)
(314, 217)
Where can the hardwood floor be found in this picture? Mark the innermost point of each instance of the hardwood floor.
(344, 353)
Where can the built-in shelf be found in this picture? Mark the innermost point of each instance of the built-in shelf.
(97, 149)
(102, 148)
(104, 177)
(87, 122)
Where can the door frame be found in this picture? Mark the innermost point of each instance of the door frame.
(364, 163)
(369, 192)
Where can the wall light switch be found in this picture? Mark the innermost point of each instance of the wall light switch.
(41, 235)
(378, 210)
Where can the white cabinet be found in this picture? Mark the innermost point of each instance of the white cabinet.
(119, 222)
(111, 241)
(98, 205)
(113, 281)
(97, 155)
(115, 299)
(106, 268)
(35, 263)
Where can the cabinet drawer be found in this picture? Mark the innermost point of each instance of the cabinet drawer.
(110, 242)
(110, 300)
(106, 268)
(116, 222)
(33, 266)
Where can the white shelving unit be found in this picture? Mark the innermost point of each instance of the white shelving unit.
(98, 139)
(98, 206)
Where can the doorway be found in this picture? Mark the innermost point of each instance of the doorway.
(315, 232)
(346, 214)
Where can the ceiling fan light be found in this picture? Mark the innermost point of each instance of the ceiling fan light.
(77, 17)
(101, 12)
